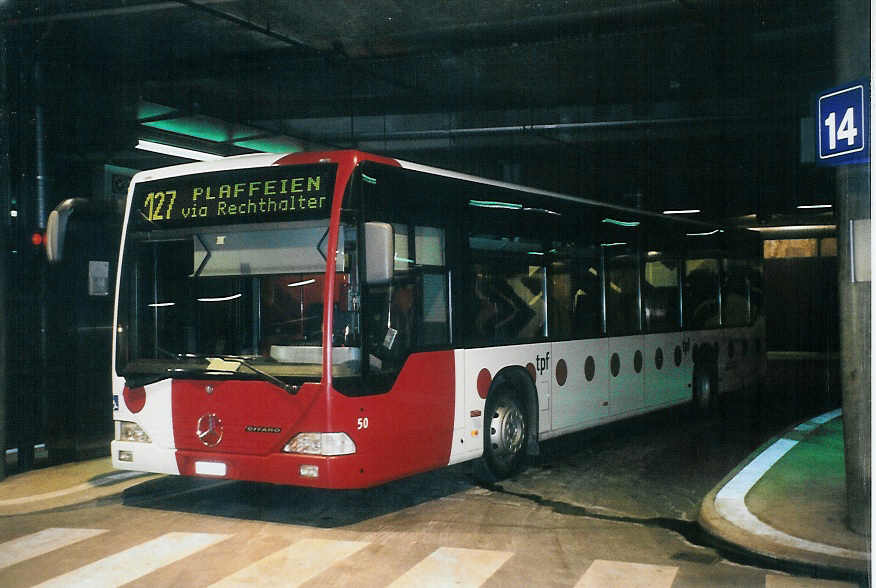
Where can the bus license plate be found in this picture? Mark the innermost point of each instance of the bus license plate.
(210, 468)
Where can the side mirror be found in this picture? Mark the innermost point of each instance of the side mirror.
(56, 228)
(379, 253)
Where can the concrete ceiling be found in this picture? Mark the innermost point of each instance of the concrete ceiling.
(670, 103)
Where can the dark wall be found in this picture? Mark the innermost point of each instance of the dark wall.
(801, 304)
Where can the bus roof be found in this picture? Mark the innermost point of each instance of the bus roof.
(355, 156)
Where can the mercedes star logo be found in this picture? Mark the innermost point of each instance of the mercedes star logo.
(210, 429)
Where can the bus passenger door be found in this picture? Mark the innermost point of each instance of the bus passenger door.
(665, 379)
(625, 361)
(579, 387)
(625, 367)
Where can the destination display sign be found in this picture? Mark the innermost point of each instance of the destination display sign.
(264, 194)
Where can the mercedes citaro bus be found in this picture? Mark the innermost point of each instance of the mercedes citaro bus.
(340, 319)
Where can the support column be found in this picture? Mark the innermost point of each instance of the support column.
(852, 40)
(5, 188)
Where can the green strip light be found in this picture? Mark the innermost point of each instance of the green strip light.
(192, 127)
(210, 129)
(369, 180)
(150, 109)
(620, 223)
(495, 204)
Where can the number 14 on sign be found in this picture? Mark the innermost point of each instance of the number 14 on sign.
(847, 130)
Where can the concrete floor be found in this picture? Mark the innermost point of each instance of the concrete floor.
(610, 507)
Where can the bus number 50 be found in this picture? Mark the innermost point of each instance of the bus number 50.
(361, 423)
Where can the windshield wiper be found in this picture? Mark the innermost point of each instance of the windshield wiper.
(245, 363)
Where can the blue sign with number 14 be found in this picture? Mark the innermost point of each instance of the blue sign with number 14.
(844, 125)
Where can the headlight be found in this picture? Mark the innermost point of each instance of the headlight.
(129, 431)
(321, 444)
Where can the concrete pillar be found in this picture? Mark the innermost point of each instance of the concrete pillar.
(5, 188)
(852, 41)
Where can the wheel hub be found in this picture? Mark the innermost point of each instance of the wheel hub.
(507, 430)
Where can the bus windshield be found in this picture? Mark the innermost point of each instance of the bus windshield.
(252, 291)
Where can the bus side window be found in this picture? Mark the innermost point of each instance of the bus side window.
(622, 295)
(660, 295)
(508, 303)
(561, 302)
(434, 328)
(734, 293)
(702, 308)
(575, 304)
(587, 299)
(755, 278)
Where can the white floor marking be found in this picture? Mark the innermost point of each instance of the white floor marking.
(730, 500)
(105, 481)
(36, 544)
(130, 564)
(47, 495)
(293, 565)
(602, 573)
(450, 566)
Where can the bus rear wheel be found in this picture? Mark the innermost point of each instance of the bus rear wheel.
(506, 433)
(705, 390)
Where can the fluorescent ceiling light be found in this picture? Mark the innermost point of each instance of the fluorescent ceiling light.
(176, 151)
(302, 283)
(683, 211)
(813, 206)
(789, 228)
(221, 299)
(705, 234)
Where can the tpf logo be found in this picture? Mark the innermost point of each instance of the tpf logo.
(542, 363)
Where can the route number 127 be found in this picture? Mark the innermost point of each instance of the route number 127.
(846, 132)
(160, 205)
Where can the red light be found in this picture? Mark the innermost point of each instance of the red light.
(37, 239)
(135, 399)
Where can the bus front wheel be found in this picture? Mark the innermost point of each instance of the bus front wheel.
(505, 433)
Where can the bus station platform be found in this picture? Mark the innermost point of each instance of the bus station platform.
(787, 503)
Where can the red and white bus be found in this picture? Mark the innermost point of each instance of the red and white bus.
(340, 319)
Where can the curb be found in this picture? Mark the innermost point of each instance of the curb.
(725, 515)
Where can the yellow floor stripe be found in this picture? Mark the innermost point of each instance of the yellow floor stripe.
(603, 573)
(449, 566)
(36, 544)
(294, 565)
(130, 564)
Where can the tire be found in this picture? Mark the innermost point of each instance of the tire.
(705, 390)
(505, 434)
